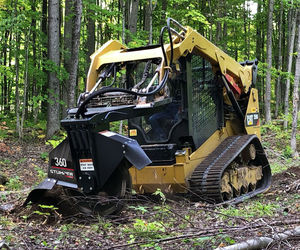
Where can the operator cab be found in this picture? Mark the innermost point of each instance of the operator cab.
(183, 112)
(174, 126)
(161, 125)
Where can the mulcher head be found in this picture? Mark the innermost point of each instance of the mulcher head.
(87, 160)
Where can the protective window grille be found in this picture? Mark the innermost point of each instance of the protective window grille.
(204, 100)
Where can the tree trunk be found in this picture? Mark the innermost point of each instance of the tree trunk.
(10, 79)
(148, 20)
(289, 69)
(25, 87)
(211, 21)
(164, 4)
(35, 109)
(278, 84)
(74, 52)
(69, 13)
(123, 3)
(258, 31)
(147, 11)
(258, 50)
(269, 62)
(91, 28)
(17, 70)
(5, 92)
(296, 99)
(132, 17)
(224, 35)
(44, 52)
(53, 81)
(246, 35)
(235, 39)
(218, 24)
(100, 30)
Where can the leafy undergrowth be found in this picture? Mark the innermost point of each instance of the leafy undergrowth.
(146, 221)
(276, 142)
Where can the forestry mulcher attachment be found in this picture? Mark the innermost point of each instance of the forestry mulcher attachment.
(192, 124)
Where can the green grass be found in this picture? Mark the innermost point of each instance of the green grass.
(14, 183)
(40, 173)
(253, 209)
(277, 168)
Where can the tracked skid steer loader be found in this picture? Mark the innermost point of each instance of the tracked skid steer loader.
(191, 119)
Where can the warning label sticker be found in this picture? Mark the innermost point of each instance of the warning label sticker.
(132, 132)
(86, 165)
(252, 119)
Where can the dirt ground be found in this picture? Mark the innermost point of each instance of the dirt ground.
(146, 221)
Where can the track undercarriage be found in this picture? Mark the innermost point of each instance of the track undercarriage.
(236, 170)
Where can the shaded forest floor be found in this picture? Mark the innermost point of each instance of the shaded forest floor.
(148, 221)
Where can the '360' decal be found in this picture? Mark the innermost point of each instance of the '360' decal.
(60, 162)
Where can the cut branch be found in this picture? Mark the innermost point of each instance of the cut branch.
(261, 242)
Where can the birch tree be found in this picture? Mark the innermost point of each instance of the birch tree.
(25, 88)
(296, 99)
(289, 68)
(269, 62)
(123, 4)
(279, 67)
(149, 20)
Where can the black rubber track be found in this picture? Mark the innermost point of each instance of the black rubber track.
(206, 178)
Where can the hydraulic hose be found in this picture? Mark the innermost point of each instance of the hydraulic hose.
(115, 76)
(104, 90)
(81, 108)
(145, 75)
(161, 41)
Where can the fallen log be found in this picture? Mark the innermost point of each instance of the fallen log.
(261, 242)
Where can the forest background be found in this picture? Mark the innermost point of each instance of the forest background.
(45, 50)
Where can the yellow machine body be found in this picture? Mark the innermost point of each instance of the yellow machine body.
(192, 125)
(174, 178)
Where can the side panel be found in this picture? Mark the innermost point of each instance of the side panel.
(173, 178)
(252, 118)
(168, 178)
(96, 155)
(61, 165)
